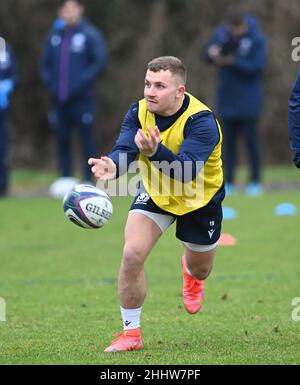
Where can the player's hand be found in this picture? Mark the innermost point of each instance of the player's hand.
(214, 52)
(103, 168)
(147, 144)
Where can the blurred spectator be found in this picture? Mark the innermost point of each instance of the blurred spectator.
(294, 121)
(238, 49)
(8, 79)
(74, 56)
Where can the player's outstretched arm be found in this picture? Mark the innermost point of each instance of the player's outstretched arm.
(103, 168)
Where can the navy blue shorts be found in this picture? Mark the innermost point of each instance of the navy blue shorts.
(202, 226)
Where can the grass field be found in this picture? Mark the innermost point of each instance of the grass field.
(59, 285)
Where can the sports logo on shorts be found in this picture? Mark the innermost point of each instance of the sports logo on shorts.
(211, 233)
(142, 198)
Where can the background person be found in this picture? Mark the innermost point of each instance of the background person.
(294, 121)
(170, 126)
(74, 56)
(8, 80)
(238, 49)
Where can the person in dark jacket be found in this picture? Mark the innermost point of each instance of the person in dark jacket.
(74, 56)
(294, 121)
(238, 49)
(8, 80)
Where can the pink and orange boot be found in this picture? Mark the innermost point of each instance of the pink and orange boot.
(128, 340)
(193, 291)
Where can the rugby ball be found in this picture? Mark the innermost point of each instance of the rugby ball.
(87, 206)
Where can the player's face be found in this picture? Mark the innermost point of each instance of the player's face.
(238, 31)
(71, 12)
(163, 92)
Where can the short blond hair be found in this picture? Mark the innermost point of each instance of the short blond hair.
(171, 63)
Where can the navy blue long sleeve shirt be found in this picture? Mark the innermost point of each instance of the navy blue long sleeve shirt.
(294, 121)
(88, 58)
(201, 135)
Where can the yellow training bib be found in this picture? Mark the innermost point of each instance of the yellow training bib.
(171, 194)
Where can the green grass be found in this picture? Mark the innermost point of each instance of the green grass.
(59, 284)
(274, 174)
